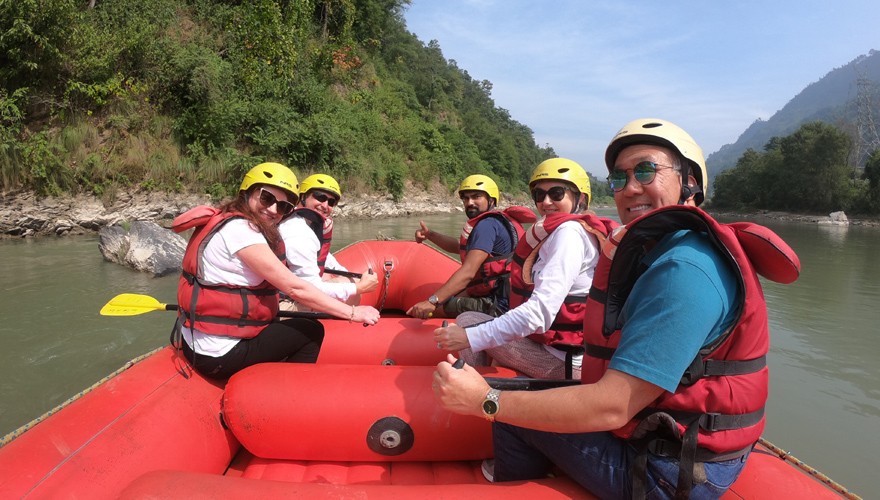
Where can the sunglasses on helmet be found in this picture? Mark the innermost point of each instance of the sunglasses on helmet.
(644, 172)
(321, 198)
(556, 193)
(268, 199)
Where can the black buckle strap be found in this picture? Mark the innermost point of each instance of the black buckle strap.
(711, 422)
(570, 350)
(700, 368)
(672, 449)
(719, 422)
(599, 352)
(598, 295)
(245, 305)
(686, 461)
(569, 299)
(240, 322)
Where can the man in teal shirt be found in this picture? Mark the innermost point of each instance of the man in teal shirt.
(684, 301)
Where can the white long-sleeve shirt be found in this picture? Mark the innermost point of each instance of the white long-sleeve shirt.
(564, 266)
(301, 247)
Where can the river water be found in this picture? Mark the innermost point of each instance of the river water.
(825, 341)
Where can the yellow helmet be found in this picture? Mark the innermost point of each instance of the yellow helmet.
(563, 169)
(668, 135)
(480, 183)
(320, 181)
(273, 174)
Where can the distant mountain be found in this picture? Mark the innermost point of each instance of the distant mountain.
(831, 100)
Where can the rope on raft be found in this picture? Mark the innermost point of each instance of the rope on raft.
(21, 430)
(389, 266)
(827, 481)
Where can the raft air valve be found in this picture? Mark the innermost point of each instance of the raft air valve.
(390, 436)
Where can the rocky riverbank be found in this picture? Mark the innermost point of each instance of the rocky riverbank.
(23, 214)
(835, 218)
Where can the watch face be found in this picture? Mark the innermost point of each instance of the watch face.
(490, 407)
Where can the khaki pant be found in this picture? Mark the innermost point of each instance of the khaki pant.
(523, 355)
(464, 303)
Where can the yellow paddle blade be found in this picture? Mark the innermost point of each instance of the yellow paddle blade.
(131, 304)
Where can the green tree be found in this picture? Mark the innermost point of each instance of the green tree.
(33, 37)
(806, 171)
(815, 169)
(872, 175)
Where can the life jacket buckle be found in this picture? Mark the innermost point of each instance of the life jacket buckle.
(694, 372)
(708, 421)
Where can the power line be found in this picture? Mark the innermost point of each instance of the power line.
(866, 102)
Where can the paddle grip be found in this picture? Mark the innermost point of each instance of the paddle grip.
(459, 363)
(347, 274)
(527, 384)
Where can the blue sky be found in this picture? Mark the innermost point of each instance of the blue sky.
(575, 71)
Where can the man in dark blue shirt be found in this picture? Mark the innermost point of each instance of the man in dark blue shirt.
(488, 235)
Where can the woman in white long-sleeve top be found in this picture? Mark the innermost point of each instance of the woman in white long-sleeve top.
(542, 333)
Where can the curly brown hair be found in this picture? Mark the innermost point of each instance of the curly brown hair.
(240, 204)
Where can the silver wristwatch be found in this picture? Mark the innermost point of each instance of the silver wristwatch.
(491, 404)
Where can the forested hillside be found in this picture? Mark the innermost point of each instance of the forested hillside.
(186, 95)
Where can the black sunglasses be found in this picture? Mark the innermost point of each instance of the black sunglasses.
(268, 199)
(556, 193)
(644, 172)
(321, 198)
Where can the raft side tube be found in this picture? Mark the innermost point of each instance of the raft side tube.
(148, 417)
(175, 484)
(350, 413)
(395, 339)
(408, 272)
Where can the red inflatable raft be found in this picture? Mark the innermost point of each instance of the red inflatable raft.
(333, 429)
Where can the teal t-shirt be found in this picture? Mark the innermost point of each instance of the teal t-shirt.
(686, 298)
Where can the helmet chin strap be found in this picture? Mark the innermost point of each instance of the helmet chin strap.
(576, 207)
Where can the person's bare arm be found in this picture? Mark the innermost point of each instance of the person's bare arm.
(261, 260)
(446, 243)
(606, 405)
(455, 284)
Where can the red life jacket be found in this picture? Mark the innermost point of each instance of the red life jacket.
(567, 326)
(495, 268)
(218, 308)
(718, 407)
(323, 229)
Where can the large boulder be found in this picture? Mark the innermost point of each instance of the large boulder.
(839, 218)
(144, 246)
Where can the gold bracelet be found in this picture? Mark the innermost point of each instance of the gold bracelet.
(351, 318)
